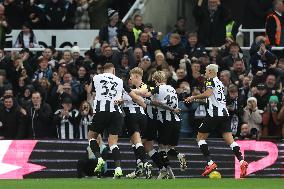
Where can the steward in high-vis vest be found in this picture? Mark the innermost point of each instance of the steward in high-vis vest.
(274, 25)
(229, 29)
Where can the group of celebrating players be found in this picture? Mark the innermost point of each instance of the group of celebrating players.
(152, 115)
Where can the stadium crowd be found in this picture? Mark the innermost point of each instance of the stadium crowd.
(47, 94)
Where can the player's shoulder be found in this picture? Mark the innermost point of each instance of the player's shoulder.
(210, 83)
(117, 79)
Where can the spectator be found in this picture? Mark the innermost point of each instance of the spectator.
(148, 28)
(66, 120)
(158, 64)
(4, 83)
(138, 55)
(234, 53)
(44, 70)
(180, 28)
(274, 25)
(145, 64)
(15, 20)
(16, 70)
(39, 118)
(26, 98)
(245, 132)
(261, 61)
(19, 89)
(83, 76)
(123, 69)
(108, 55)
(127, 31)
(77, 60)
(108, 32)
(174, 51)
(26, 38)
(11, 124)
(186, 111)
(47, 54)
(262, 96)
(138, 26)
(271, 123)
(82, 20)
(181, 76)
(212, 20)
(225, 78)
(244, 88)
(86, 119)
(193, 48)
(252, 115)
(4, 27)
(235, 104)
(43, 86)
(271, 85)
(238, 71)
(148, 44)
(97, 13)
(35, 15)
(59, 14)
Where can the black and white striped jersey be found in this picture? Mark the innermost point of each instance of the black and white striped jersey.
(129, 106)
(67, 127)
(108, 88)
(166, 94)
(216, 103)
(152, 111)
(84, 125)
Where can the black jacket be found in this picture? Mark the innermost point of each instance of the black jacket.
(177, 51)
(255, 12)
(11, 123)
(129, 34)
(103, 34)
(212, 32)
(39, 122)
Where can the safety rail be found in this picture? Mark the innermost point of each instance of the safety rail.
(251, 33)
(139, 4)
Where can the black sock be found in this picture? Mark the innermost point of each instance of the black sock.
(95, 147)
(115, 155)
(135, 152)
(237, 151)
(173, 152)
(164, 158)
(156, 158)
(141, 154)
(204, 149)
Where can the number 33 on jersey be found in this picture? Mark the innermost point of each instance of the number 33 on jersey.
(216, 104)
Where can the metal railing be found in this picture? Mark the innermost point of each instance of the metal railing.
(251, 33)
(137, 5)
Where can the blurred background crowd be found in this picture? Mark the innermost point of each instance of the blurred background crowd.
(46, 94)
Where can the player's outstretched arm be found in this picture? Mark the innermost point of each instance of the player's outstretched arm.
(206, 94)
(137, 99)
(162, 105)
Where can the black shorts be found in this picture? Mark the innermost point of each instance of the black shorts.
(152, 129)
(168, 133)
(107, 121)
(136, 123)
(221, 124)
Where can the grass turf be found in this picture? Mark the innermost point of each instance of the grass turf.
(143, 184)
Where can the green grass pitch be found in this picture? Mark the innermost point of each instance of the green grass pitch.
(142, 184)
